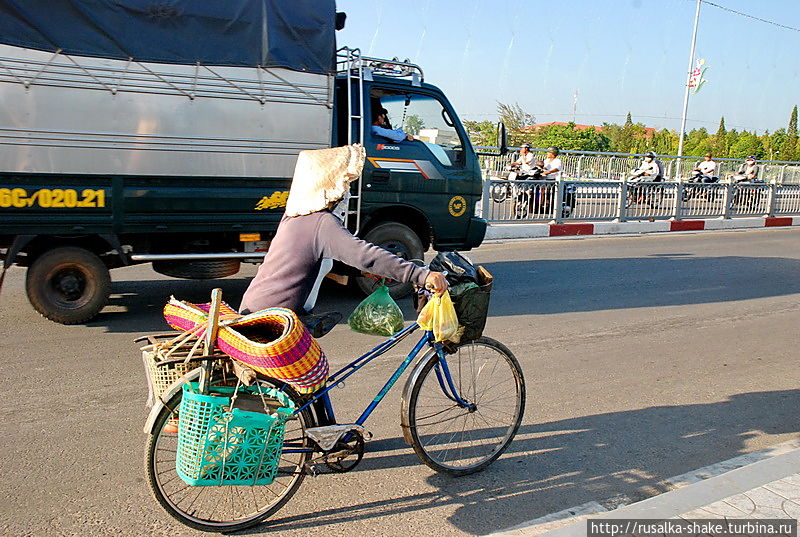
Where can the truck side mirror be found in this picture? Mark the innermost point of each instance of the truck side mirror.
(341, 17)
(502, 138)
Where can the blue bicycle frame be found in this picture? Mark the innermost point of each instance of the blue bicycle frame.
(442, 374)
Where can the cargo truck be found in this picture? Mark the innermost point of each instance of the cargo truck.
(135, 131)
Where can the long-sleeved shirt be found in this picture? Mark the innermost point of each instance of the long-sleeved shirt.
(649, 169)
(291, 266)
(395, 135)
(749, 171)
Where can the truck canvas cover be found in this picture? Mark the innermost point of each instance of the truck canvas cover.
(293, 34)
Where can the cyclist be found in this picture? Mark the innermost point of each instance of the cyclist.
(310, 231)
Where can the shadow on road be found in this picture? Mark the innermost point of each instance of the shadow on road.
(596, 462)
(521, 287)
(582, 285)
(139, 304)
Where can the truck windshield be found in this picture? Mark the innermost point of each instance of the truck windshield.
(424, 117)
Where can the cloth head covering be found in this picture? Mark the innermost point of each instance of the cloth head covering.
(322, 177)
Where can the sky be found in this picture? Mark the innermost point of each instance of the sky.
(619, 56)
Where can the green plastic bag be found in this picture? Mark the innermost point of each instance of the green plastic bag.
(377, 315)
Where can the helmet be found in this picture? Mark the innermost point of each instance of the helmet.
(553, 149)
(751, 157)
(526, 145)
(708, 155)
(650, 154)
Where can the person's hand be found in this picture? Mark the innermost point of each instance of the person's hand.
(409, 138)
(436, 282)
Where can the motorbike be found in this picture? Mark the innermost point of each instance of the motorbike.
(692, 188)
(534, 198)
(651, 195)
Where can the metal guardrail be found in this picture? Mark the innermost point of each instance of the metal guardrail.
(616, 166)
(568, 200)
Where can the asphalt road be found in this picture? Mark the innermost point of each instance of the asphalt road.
(645, 357)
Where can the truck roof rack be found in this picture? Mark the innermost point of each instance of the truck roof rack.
(368, 66)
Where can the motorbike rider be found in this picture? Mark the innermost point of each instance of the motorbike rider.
(649, 170)
(705, 171)
(552, 164)
(524, 163)
(748, 171)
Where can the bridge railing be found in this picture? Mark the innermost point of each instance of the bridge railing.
(569, 200)
(616, 166)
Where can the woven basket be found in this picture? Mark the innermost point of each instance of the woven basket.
(163, 377)
(272, 342)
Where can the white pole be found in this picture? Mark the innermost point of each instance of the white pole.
(686, 93)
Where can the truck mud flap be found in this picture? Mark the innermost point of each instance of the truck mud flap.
(19, 243)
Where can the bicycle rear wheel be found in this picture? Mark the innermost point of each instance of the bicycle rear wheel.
(459, 440)
(228, 507)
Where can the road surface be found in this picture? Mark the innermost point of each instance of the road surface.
(645, 357)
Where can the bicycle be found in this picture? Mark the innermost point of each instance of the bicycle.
(461, 407)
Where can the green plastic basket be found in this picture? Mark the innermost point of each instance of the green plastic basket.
(218, 445)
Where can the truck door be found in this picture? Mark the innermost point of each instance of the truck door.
(433, 173)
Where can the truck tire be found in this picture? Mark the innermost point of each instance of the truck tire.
(68, 285)
(198, 270)
(401, 241)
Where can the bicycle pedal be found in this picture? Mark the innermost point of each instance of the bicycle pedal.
(311, 470)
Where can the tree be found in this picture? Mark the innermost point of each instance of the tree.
(697, 142)
(414, 124)
(514, 117)
(790, 145)
(747, 144)
(568, 137)
(482, 133)
(665, 142)
(720, 143)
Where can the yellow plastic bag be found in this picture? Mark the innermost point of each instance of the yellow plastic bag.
(439, 316)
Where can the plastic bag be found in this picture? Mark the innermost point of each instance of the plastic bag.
(439, 316)
(459, 268)
(377, 315)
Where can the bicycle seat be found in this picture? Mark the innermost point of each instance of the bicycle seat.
(320, 324)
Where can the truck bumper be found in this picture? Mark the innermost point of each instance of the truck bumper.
(475, 232)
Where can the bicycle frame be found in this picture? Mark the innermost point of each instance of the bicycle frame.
(442, 373)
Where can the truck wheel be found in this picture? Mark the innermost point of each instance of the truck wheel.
(68, 285)
(209, 269)
(401, 241)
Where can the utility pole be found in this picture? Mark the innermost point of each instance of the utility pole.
(574, 106)
(686, 93)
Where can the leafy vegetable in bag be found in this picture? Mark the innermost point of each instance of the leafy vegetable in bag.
(377, 315)
(439, 316)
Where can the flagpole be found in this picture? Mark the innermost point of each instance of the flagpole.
(686, 93)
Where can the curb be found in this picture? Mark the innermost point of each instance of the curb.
(684, 500)
(533, 231)
(570, 522)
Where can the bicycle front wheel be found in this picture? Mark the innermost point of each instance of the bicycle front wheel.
(228, 507)
(463, 439)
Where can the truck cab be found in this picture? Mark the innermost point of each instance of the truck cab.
(413, 194)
